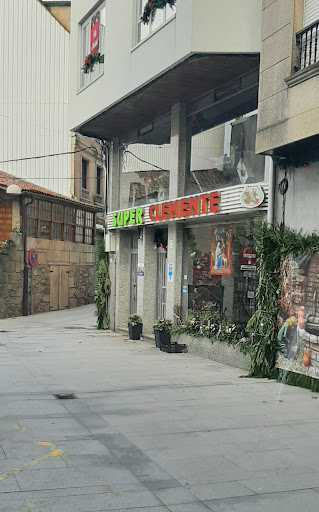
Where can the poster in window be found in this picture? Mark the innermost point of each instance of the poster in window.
(298, 319)
(220, 251)
(94, 33)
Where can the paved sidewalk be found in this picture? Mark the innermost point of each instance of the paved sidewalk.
(148, 431)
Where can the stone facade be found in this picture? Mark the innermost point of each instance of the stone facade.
(288, 102)
(72, 264)
(11, 279)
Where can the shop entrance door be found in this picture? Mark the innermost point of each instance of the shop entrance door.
(134, 261)
(161, 284)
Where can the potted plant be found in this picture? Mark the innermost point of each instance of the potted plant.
(135, 327)
(162, 330)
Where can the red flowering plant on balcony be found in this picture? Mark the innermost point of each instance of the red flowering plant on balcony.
(151, 7)
(90, 60)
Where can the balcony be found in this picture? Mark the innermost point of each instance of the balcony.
(307, 44)
(85, 195)
(98, 199)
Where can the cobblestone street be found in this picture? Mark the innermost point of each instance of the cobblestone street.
(147, 431)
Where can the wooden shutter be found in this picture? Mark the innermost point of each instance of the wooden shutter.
(311, 12)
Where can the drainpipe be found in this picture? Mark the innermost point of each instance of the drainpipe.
(271, 196)
(25, 309)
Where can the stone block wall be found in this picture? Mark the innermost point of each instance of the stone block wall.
(11, 279)
(74, 262)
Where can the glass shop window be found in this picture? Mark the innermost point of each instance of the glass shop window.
(224, 155)
(219, 276)
(145, 174)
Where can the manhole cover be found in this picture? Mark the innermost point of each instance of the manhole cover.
(66, 396)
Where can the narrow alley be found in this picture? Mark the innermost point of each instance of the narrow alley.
(146, 431)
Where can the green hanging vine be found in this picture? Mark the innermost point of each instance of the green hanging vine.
(103, 286)
(273, 245)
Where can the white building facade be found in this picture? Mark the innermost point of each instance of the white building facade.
(34, 95)
(176, 101)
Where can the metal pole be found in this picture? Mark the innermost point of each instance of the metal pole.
(271, 196)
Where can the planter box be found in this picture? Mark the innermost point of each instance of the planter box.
(217, 351)
(135, 331)
(162, 338)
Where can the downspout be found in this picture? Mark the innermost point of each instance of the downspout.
(25, 309)
(271, 195)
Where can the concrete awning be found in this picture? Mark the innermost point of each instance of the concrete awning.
(189, 80)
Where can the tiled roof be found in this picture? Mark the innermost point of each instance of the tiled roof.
(7, 179)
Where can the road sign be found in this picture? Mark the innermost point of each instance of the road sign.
(32, 257)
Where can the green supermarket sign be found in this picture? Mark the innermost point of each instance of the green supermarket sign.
(128, 217)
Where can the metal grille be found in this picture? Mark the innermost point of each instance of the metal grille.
(307, 43)
(161, 284)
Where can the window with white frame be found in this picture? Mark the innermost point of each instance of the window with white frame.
(93, 43)
(161, 16)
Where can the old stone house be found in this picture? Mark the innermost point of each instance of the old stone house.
(47, 252)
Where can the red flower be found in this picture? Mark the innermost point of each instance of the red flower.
(150, 3)
(206, 259)
(98, 310)
(86, 61)
(265, 308)
(275, 271)
(273, 329)
(202, 255)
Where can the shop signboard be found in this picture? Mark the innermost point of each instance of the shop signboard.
(298, 319)
(225, 201)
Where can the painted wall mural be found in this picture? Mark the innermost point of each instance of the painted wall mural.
(298, 320)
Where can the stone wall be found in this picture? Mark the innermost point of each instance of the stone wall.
(11, 279)
(217, 351)
(59, 261)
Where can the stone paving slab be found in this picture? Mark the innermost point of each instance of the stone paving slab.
(149, 431)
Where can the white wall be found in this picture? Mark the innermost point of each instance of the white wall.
(213, 28)
(34, 93)
(302, 205)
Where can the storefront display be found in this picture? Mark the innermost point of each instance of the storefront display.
(216, 281)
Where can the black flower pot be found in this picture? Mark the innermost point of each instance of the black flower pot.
(157, 338)
(135, 331)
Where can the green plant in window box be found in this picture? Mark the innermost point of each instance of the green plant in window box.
(90, 60)
(6, 246)
(151, 7)
(135, 327)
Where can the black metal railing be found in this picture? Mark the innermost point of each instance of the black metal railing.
(308, 45)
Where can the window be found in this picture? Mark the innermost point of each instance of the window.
(161, 16)
(69, 223)
(57, 221)
(79, 228)
(54, 221)
(92, 42)
(44, 220)
(84, 169)
(99, 175)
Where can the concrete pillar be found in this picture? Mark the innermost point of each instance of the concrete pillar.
(174, 258)
(117, 258)
(146, 285)
(122, 278)
(180, 146)
(114, 177)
